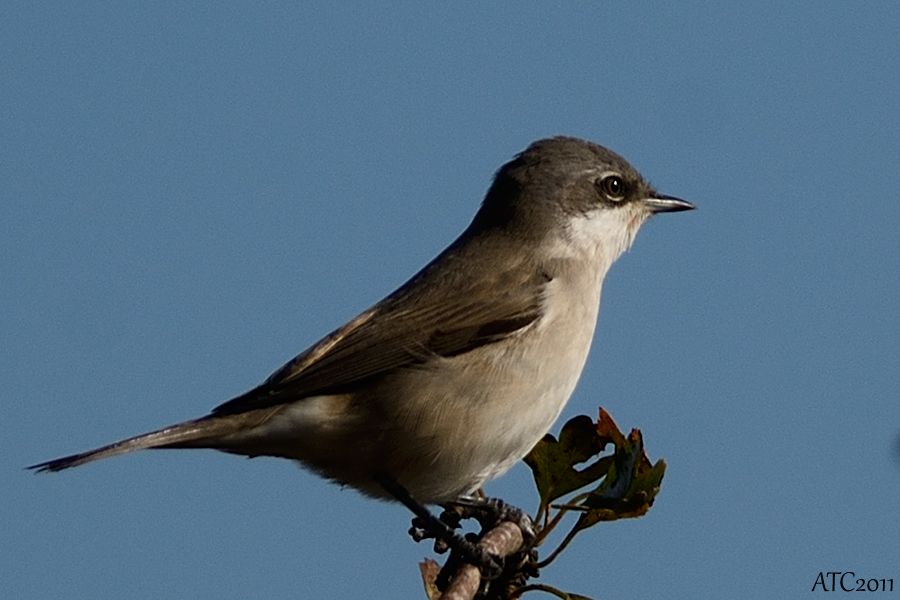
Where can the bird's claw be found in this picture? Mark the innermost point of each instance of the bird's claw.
(491, 511)
(463, 548)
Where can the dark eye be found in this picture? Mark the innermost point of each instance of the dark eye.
(612, 186)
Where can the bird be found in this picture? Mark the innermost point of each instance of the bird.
(451, 379)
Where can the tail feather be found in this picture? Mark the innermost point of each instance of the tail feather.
(198, 433)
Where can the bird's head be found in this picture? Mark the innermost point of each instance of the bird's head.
(582, 196)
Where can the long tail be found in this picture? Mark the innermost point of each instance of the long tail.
(206, 432)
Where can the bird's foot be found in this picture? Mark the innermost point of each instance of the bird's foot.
(491, 511)
(463, 548)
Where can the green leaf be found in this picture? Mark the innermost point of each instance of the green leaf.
(629, 489)
(553, 462)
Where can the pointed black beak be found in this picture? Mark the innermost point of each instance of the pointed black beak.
(660, 204)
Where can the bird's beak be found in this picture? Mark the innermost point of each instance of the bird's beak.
(662, 203)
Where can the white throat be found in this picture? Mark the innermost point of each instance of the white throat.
(601, 236)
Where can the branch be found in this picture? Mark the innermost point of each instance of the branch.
(501, 541)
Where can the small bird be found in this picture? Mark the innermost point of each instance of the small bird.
(455, 376)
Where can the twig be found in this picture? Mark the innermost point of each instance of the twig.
(539, 587)
(504, 539)
(561, 512)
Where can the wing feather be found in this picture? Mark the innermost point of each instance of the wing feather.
(452, 318)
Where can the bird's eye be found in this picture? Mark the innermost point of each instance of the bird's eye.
(613, 187)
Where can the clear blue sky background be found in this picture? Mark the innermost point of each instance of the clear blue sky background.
(192, 195)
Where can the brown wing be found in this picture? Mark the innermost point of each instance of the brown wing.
(452, 318)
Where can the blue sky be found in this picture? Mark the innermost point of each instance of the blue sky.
(192, 195)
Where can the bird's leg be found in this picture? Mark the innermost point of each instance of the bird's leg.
(440, 530)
